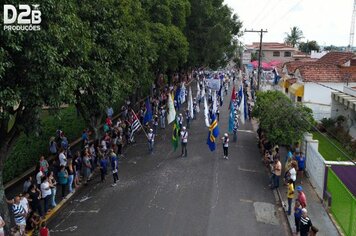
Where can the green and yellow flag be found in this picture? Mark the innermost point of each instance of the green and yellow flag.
(175, 135)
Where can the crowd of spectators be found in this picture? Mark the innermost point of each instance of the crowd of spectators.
(65, 170)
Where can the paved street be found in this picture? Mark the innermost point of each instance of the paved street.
(164, 194)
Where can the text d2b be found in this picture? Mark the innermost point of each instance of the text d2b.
(24, 14)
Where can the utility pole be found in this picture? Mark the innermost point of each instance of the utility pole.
(259, 54)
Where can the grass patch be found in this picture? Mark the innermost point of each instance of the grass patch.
(27, 149)
(329, 151)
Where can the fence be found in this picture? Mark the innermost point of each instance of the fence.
(343, 204)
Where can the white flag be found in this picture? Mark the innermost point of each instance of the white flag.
(206, 113)
(190, 103)
(214, 98)
(198, 90)
(183, 93)
(171, 111)
(242, 104)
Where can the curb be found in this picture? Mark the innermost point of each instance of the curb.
(55, 210)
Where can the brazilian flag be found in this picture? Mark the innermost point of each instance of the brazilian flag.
(175, 135)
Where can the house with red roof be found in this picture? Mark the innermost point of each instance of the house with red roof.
(312, 81)
(273, 51)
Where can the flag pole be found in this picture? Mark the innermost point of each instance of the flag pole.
(139, 122)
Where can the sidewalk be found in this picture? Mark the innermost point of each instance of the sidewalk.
(316, 210)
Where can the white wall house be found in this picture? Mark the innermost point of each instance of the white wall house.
(312, 82)
(344, 103)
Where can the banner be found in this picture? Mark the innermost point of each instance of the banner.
(213, 84)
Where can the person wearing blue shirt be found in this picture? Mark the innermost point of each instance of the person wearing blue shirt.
(114, 166)
(103, 168)
(301, 159)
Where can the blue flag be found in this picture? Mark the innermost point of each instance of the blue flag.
(148, 114)
(231, 117)
(213, 133)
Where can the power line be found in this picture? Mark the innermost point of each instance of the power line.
(268, 11)
(263, 9)
(285, 14)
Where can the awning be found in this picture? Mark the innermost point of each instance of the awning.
(297, 89)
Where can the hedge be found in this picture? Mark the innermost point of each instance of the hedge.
(27, 149)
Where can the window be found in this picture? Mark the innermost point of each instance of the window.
(276, 54)
(299, 99)
(287, 54)
(286, 90)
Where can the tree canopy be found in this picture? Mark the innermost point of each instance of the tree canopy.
(94, 53)
(309, 46)
(293, 38)
(282, 121)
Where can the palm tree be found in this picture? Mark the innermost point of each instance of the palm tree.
(294, 37)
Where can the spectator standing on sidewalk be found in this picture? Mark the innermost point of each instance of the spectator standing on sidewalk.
(305, 223)
(62, 158)
(63, 180)
(297, 215)
(86, 168)
(301, 197)
(34, 199)
(53, 185)
(276, 173)
(46, 194)
(71, 172)
(44, 231)
(27, 184)
(19, 214)
(290, 195)
(103, 168)
(44, 164)
(301, 165)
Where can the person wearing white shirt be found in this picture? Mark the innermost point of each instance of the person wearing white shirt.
(24, 203)
(62, 158)
(46, 194)
(150, 137)
(184, 141)
(226, 145)
(293, 173)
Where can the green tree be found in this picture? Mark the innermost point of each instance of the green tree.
(210, 32)
(117, 56)
(167, 19)
(283, 121)
(293, 38)
(32, 75)
(309, 46)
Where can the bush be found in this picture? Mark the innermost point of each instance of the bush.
(27, 150)
(328, 123)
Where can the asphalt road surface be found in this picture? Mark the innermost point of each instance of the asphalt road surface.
(164, 194)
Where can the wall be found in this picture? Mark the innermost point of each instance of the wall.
(315, 164)
(338, 109)
(268, 56)
(318, 98)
